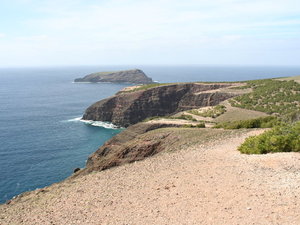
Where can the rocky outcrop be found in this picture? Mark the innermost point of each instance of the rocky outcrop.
(129, 76)
(125, 109)
(128, 146)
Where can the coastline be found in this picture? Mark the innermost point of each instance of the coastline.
(206, 184)
(161, 141)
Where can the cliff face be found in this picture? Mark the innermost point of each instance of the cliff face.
(125, 109)
(128, 146)
(131, 76)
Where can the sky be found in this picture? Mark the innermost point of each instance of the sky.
(154, 32)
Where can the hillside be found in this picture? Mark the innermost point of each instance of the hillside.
(205, 183)
(183, 164)
(127, 108)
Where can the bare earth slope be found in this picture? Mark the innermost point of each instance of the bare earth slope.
(211, 184)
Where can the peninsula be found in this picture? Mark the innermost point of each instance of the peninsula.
(134, 76)
(185, 140)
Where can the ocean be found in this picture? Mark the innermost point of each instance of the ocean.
(41, 138)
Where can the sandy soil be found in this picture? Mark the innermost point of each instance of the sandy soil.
(295, 78)
(173, 121)
(130, 88)
(212, 184)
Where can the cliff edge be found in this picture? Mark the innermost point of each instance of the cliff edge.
(135, 76)
(127, 108)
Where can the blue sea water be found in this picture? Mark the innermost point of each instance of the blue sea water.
(41, 142)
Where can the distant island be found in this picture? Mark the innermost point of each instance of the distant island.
(135, 76)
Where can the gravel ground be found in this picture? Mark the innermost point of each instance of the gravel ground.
(212, 184)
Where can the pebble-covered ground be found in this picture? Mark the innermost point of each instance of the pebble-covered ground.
(212, 184)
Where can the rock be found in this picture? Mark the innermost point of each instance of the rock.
(127, 76)
(76, 170)
(128, 108)
(8, 202)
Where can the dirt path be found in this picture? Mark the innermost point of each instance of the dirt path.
(173, 121)
(212, 184)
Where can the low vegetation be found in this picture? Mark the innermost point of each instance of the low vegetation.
(270, 96)
(212, 112)
(262, 122)
(148, 86)
(278, 98)
(181, 117)
(280, 139)
(183, 138)
(199, 125)
(184, 117)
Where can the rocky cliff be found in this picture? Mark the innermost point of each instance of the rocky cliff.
(129, 146)
(125, 109)
(130, 76)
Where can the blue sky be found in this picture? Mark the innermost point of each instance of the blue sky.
(90, 32)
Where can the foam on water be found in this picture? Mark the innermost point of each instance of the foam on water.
(103, 124)
(106, 125)
(74, 119)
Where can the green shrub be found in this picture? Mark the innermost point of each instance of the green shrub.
(279, 139)
(213, 112)
(199, 125)
(148, 86)
(185, 117)
(155, 117)
(270, 96)
(292, 117)
(262, 122)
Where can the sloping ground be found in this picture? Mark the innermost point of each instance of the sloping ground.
(295, 78)
(211, 184)
(231, 114)
(144, 140)
(235, 113)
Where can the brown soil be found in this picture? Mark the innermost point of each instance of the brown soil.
(206, 184)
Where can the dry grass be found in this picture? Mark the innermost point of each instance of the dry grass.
(295, 78)
(183, 138)
(235, 114)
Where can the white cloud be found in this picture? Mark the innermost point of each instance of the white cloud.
(131, 31)
(33, 38)
(2, 35)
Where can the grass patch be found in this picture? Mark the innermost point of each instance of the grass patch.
(155, 117)
(262, 122)
(212, 112)
(184, 117)
(181, 117)
(279, 139)
(148, 86)
(199, 125)
(183, 138)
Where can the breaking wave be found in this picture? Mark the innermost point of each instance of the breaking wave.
(106, 125)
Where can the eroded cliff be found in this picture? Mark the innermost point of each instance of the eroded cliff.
(128, 108)
(133, 144)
